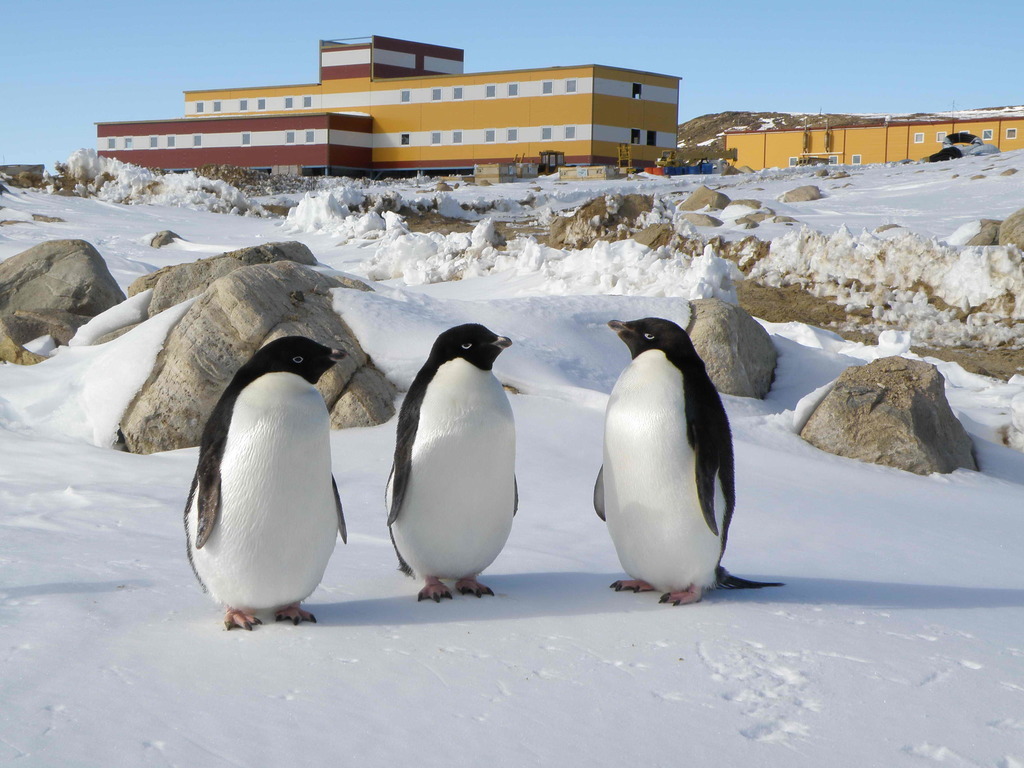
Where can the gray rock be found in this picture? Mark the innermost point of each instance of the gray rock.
(172, 285)
(63, 275)
(784, 220)
(748, 203)
(894, 412)
(1008, 172)
(736, 350)
(886, 227)
(162, 238)
(701, 220)
(729, 170)
(1011, 231)
(655, 235)
(236, 315)
(801, 194)
(702, 197)
(746, 222)
(15, 353)
(988, 234)
(840, 175)
(22, 326)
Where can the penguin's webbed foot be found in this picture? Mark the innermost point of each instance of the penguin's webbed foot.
(635, 585)
(294, 613)
(692, 594)
(473, 587)
(434, 590)
(236, 617)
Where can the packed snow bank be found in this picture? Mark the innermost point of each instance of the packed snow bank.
(982, 288)
(114, 181)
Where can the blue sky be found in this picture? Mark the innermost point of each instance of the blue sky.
(67, 65)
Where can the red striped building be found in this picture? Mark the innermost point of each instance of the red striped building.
(383, 105)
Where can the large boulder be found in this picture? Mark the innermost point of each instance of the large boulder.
(736, 350)
(22, 326)
(988, 233)
(1011, 231)
(234, 317)
(892, 411)
(702, 197)
(172, 285)
(163, 237)
(701, 220)
(608, 217)
(800, 194)
(58, 275)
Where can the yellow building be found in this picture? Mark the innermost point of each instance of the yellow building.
(410, 107)
(855, 145)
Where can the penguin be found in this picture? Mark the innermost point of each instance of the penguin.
(452, 491)
(667, 485)
(263, 510)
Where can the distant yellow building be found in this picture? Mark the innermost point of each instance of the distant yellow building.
(856, 145)
(383, 105)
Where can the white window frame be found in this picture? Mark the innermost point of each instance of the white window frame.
(243, 105)
(571, 85)
(833, 159)
(246, 139)
(512, 89)
(152, 142)
(289, 137)
(855, 160)
(457, 92)
(307, 102)
(261, 103)
(435, 94)
(200, 107)
(1011, 133)
(289, 102)
(547, 87)
(435, 137)
(940, 136)
(793, 161)
(197, 140)
(128, 142)
(490, 91)
(405, 96)
(489, 135)
(456, 137)
(570, 132)
(919, 138)
(111, 143)
(987, 134)
(170, 141)
(511, 134)
(547, 133)
(216, 106)
(310, 137)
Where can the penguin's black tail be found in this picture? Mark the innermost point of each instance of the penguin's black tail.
(726, 580)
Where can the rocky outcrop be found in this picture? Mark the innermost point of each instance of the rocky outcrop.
(703, 197)
(655, 236)
(172, 285)
(162, 238)
(23, 326)
(231, 319)
(58, 275)
(1011, 232)
(604, 218)
(800, 194)
(988, 233)
(701, 220)
(736, 350)
(894, 412)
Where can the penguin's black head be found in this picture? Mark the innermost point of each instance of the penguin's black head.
(654, 333)
(295, 354)
(472, 342)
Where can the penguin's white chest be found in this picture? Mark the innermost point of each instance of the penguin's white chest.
(278, 521)
(459, 503)
(650, 493)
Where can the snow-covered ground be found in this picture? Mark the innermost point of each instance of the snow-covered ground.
(898, 639)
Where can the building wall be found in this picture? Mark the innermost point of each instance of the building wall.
(869, 144)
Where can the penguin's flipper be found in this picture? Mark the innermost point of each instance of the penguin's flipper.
(397, 483)
(208, 492)
(341, 515)
(707, 465)
(515, 508)
(599, 493)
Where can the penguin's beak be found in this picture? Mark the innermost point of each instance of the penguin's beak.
(337, 355)
(618, 326)
(502, 342)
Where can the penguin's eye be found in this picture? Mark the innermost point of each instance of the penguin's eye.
(467, 345)
(297, 360)
(649, 336)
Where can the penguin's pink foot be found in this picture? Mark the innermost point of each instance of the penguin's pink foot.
(692, 594)
(434, 590)
(472, 587)
(294, 613)
(636, 585)
(236, 617)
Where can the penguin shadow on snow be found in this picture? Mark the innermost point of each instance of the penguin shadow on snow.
(521, 595)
